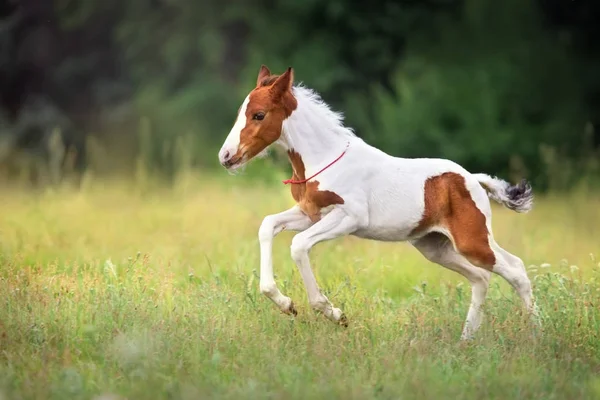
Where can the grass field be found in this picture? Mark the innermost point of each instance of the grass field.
(122, 293)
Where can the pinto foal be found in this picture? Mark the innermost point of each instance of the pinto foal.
(343, 186)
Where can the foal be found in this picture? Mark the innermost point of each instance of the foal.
(343, 186)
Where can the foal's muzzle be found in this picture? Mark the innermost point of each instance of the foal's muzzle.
(229, 159)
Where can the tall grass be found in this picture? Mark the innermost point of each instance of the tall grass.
(148, 294)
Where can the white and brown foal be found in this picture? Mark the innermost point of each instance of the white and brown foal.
(343, 186)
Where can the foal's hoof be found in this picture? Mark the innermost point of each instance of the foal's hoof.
(343, 321)
(338, 316)
(290, 310)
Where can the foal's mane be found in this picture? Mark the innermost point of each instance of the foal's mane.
(306, 95)
(319, 107)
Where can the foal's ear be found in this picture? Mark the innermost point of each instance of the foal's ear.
(262, 74)
(283, 83)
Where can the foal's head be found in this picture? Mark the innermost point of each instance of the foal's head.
(260, 118)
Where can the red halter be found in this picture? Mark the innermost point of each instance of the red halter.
(323, 169)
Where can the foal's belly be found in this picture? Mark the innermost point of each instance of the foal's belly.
(393, 214)
(385, 233)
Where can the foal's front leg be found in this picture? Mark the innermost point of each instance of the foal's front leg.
(294, 220)
(335, 224)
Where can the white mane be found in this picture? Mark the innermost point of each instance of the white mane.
(312, 101)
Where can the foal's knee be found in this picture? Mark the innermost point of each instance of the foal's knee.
(267, 227)
(298, 249)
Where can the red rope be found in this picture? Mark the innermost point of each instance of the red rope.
(327, 166)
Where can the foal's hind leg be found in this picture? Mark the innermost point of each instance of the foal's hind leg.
(511, 268)
(485, 253)
(438, 249)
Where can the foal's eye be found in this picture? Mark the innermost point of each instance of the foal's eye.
(259, 116)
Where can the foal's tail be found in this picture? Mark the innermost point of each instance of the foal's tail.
(517, 197)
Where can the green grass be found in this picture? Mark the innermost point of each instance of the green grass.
(154, 294)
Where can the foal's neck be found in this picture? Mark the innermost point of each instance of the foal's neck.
(314, 132)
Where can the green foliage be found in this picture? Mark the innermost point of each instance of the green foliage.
(194, 63)
(490, 89)
(486, 84)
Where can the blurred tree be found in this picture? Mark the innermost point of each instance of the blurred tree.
(488, 88)
(194, 62)
(483, 83)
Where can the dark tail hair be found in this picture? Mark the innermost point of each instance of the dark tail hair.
(517, 197)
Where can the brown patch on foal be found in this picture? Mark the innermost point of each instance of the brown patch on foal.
(308, 196)
(448, 204)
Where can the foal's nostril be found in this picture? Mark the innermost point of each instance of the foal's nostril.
(226, 156)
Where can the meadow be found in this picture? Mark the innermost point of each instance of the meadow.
(121, 291)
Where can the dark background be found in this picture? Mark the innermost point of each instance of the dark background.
(506, 87)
